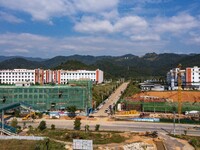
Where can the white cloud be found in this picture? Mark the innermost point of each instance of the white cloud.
(9, 18)
(95, 6)
(45, 10)
(130, 24)
(41, 10)
(17, 51)
(92, 25)
(147, 37)
(126, 25)
(176, 24)
(40, 46)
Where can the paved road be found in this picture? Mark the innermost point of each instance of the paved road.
(125, 126)
(114, 97)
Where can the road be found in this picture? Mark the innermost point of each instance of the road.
(113, 98)
(123, 126)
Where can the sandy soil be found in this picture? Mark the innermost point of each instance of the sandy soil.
(187, 96)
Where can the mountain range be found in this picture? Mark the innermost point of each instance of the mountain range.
(151, 64)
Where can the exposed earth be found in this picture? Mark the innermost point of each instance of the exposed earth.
(187, 96)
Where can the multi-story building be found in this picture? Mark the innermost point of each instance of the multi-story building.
(189, 77)
(193, 76)
(95, 76)
(17, 75)
(49, 76)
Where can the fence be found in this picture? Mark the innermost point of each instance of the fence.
(159, 106)
(35, 138)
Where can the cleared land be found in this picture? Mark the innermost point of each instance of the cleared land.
(187, 96)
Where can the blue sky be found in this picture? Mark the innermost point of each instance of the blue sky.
(48, 28)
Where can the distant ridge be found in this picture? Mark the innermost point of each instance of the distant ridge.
(151, 64)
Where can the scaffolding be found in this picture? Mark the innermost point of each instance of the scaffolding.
(50, 97)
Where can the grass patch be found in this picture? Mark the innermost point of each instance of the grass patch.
(193, 140)
(29, 145)
(69, 135)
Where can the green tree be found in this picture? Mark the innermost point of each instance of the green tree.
(77, 124)
(71, 110)
(53, 127)
(42, 125)
(87, 128)
(97, 127)
(17, 113)
(14, 122)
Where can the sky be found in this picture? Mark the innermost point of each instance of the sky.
(49, 28)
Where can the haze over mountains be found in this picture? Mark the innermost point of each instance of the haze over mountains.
(151, 64)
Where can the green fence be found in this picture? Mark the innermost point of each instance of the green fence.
(160, 106)
(49, 97)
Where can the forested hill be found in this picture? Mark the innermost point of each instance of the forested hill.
(129, 65)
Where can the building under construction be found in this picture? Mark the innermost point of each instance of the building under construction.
(76, 93)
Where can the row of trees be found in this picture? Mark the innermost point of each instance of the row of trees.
(77, 126)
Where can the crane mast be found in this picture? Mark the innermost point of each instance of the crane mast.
(179, 90)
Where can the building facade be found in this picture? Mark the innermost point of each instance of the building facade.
(49, 76)
(17, 75)
(190, 77)
(193, 76)
(47, 97)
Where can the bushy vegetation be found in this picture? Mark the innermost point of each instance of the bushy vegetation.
(132, 89)
(42, 125)
(101, 92)
(69, 135)
(14, 123)
(193, 140)
(53, 127)
(97, 127)
(30, 145)
(77, 124)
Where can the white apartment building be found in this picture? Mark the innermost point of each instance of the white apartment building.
(193, 76)
(17, 75)
(48, 76)
(95, 76)
(190, 77)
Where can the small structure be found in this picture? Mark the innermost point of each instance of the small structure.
(22, 84)
(151, 87)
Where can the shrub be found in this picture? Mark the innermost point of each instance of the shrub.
(195, 142)
(87, 128)
(17, 113)
(77, 124)
(53, 127)
(97, 127)
(39, 115)
(42, 125)
(14, 123)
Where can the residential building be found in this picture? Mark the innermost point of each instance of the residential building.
(190, 77)
(193, 76)
(17, 75)
(49, 76)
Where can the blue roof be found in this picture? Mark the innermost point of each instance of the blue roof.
(10, 106)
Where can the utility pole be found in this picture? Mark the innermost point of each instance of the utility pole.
(174, 112)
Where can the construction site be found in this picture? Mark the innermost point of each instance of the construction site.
(43, 98)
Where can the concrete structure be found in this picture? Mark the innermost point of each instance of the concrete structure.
(49, 97)
(151, 87)
(94, 76)
(49, 76)
(17, 75)
(193, 76)
(190, 78)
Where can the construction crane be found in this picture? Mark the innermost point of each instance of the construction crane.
(179, 89)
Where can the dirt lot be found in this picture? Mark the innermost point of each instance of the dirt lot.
(187, 96)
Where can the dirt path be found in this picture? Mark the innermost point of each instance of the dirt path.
(174, 143)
